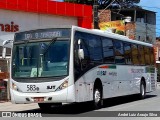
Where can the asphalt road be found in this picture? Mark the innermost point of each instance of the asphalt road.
(110, 108)
(121, 108)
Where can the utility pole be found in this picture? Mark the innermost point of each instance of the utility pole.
(95, 14)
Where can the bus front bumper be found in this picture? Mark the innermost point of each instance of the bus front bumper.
(51, 97)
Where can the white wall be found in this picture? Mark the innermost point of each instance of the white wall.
(28, 21)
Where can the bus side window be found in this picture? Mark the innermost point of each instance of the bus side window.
(108, 51)
(127, 53)
(77, 64)
(147, 55)
(141, 55)
(152, 56)
(83, 64)
(95, 48)
(135, 54)
(119, 52)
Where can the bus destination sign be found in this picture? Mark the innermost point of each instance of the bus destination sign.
(42, 34)
(36, 35)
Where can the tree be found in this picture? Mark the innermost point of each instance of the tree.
(127, 3)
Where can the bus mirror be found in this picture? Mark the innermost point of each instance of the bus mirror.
(79, 41)
(80, 54)
(4, 52)
(79, 44)
(80, 51)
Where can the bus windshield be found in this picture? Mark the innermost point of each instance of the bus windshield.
(41, 59)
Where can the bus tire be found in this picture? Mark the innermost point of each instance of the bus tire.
(48, 106)
(142, 90)
(97, 98)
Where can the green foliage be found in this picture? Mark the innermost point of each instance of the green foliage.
(120, 32)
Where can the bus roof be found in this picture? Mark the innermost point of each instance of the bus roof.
(110, 35)
(44, 28)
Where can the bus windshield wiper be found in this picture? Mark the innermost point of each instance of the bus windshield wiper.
(52, 42)
(26, 42)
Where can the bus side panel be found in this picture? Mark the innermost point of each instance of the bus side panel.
(12, 96)
(110, 83)
(115, 82)
(71, 93)
(148, 82)
(84, 86)
(83, 90)
(150, 78)
(124, 76)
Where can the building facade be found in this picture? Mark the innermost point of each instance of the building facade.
(142, 26)
(22, 15)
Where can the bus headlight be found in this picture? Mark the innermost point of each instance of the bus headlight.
(14, 87)
(63, 85)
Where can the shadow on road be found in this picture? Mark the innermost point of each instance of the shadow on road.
(80, 108)
(123, 99)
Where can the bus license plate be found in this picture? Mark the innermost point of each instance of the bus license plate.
(38, 99)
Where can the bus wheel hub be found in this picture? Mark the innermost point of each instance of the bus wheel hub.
(97, 96)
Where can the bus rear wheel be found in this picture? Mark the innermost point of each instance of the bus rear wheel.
(48, 106)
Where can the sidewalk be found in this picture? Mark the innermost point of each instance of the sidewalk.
(8, 106)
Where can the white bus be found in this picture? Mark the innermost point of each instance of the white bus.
(68, 65)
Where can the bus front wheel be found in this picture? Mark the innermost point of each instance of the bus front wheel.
(142, 90)
(97, 98)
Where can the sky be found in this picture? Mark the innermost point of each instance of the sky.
(153, 5)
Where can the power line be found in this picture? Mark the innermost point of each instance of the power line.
(106, 7)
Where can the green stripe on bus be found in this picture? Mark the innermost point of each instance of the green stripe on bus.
(150, 70)
(112, 67)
